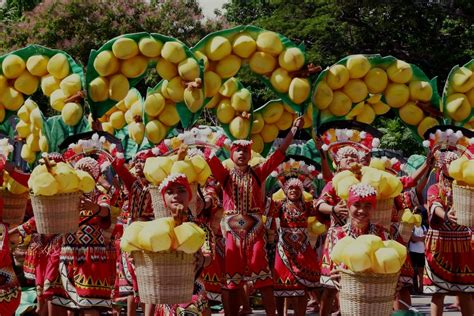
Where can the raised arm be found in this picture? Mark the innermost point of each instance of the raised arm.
(20, 177)
(125, 175)
(218, 170)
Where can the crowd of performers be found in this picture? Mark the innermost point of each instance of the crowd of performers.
(254, 243)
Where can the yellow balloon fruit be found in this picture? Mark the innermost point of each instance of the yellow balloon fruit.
(150, 47)
(299, 90)
(280, 80)
(37, 65)
(262, 63)
(169, 116)
(341, 104)
(154, 104)
(257, 143)
(411, 114)
(468, 172)
(134, 67)
(397, 94)
(190, 237)
(380, 108)
(194, 99)
(173, 52)
(49, 84)
(358, 66)
(13, 66)
(337, 76)
(239, 127)
(72, 113)
(166, 70)
(258, 123)
(386, 261)
(356, 90)
(399, 248)
(426, 124)
(244, 45)
(400, 72)
(11, 99)
(58, 66)
(188, 69)
(125, 48)
(462, 80)
(291, 59)
(357, 257)
(212, 83)
(26, 83)
(225, 111)
(218, 47)
(229, 87)
(323, 96)
(228, 66)
(71, 84)
(99, 89)
(156, 169)
(272, 112)
(155, 131)
(338, 250)
(420, 90)
(241, 100)
(86, 182)
(456, 168)
(186, 168)
(269, 42)
(106, 64)
(117, 120)
(269, 133)
(118, 87)
(458, 107)
(285, 121)
(376, 80)
(367, 116)
(174, 89)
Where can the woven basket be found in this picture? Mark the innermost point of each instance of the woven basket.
(14, 207)
(364, 294)
(57, 214)
(158, 205)
(463, 203)
(405, 230)
(164, 278)
(383, 213)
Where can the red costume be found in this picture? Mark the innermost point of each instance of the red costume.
(243, 203)
(10, 290)
(329, 196)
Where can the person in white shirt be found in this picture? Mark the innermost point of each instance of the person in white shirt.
(417, 254)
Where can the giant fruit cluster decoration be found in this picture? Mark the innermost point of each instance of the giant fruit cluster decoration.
(458, 95)
(360, 87)
(369, 254)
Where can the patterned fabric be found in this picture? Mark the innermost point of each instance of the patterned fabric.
(329, 196)
(449, 264)
(296, 263)
(407, 271)
(10, 291)
(334, 235)
(212, 275)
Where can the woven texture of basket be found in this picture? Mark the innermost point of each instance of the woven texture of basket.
(463, 203)
(57, 214)
(405, 230)
(164, 278)
(383, 213)
(364, 294)
(14, 207)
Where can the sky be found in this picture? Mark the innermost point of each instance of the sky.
(208, 6)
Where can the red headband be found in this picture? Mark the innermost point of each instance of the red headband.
(179, 179)
(245, 144)
(362, 192)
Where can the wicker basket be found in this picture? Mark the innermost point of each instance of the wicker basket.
(57, 214)
(383, 213)
(463, 203)
(405, 230)
(164, 278)
(14, 207)
(364, 294)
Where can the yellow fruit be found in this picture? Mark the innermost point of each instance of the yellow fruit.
(337, 76)
(3, 83)
(374, 98)
(376, 80)
(194, 99)
(2, 113)
(58, 66)
(356, 90)
(188, 69)
(411, 114)
(169, 116)
(106, 63)
(262, 63)
(33, 142)
(190, 237)
(154, 104)
(323, 96)
(420, 90)
(386, 260)
(13, 66)
(86, 182)
(44, 184)
(14, 187)
(399, 248)
(66, 176)
(117, 120)
(285, 121)
(36, 118)
(130, 99)
(201, 57)
(299, 90)
(212, 103)
(155, 131)
(257, 143)
(26, 83)
(343, 186)
(57, 100)
(356, 110)
(229, 87)
(173, 52)
(134, 67)
(136, 131)
(397, 94)
(228, 66)
(155, 236)
(43, 144)
(456, 168)
(341, 104)
(11, 99)
(157, 169)
(426, 124)
(470, 96)
(225, 111)
(462, 80)
(244, 45)
(118, 87)
(29, 156)
(280, 80)
(107, 127)
(468, 172)
(186, 168)
(24, 114)
(150, 47)
(358, 66)
(71, 84)
(258, 123)
(374, 242)
(212, 83)
(380, 108)
(37, 65)
(458, 107)
(269, 133)
(49, 84)
(269, 42)
(124, 48)
(239, 127)
(338, 251)
(99, 89)
(218, 47)
(129, 240)
(400, 72)
(137, 108)
(241, 101)
(166, 69)
(291, 59)
(72, 113)
(272, 112)
(357, 257)
(174, 89)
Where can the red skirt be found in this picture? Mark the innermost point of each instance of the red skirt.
(212, 275)
(10, 291)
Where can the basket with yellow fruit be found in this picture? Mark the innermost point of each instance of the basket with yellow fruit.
(369, 273)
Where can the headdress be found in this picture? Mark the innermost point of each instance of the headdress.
(89, 165)
(176, 178)
(362, 192)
